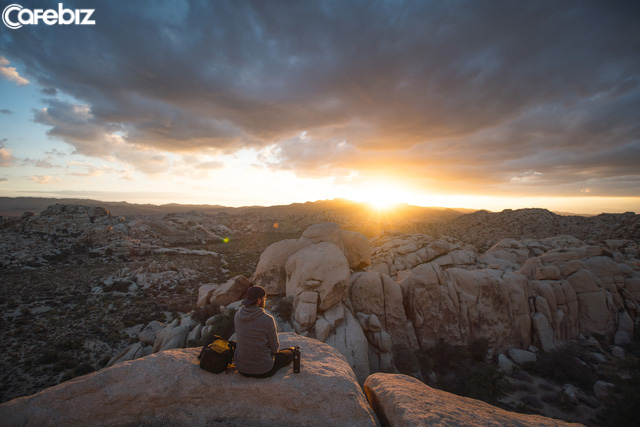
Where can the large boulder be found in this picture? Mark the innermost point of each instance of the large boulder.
(320, 268)
(232, 291)
(356, 248)
(400, 400)
(379, 295)
(169, 388)
(349, 339)
(271, 273)
(324, 232)
(205, 292)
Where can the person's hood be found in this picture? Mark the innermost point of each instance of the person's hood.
(249, 313)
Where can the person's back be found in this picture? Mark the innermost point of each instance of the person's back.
(257, 341)
(257, 345)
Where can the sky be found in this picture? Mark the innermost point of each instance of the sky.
(490, 104)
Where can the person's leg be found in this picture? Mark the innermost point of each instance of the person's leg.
(282, 358)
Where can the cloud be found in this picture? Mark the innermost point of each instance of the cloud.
(307, 155)
(43, 179)
(6, 158)
(210, 165)
(6, 111)
(87, 169)
(453, 94)
(10, 73)
(3, 179)
(39, 163)
(75, 124)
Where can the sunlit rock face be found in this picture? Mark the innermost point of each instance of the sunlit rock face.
(169, 388)
(320, 268)
(400, 400)
(271, 273)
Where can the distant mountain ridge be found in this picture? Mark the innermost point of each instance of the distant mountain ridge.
(484, 229)
(357, 216)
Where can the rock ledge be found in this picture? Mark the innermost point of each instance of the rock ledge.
(168, 388)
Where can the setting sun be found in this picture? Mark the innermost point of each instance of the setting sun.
(381, 196)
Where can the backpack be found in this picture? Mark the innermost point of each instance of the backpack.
(217, 356)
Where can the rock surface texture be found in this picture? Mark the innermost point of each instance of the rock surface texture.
(169, 388)
(400, 400)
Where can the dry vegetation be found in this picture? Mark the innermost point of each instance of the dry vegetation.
(60, 320)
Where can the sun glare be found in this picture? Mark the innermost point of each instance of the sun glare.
(381, 197)
(382, 204)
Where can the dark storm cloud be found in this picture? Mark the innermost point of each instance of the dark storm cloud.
(463, 91)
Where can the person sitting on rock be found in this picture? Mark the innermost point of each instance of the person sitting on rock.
(257, 345)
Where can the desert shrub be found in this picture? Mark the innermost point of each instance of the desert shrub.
(623, 405)
(83, 369)
(65, 363)
(201, 314)
(634, 347)
(222, 326)
(546, 387)
(133, 318)
(118, 286)
(103, 362)
(550, 398)
(49, 356)
(463, 370)
(284, 308)
(79, 370)
(532, 401)
(404, 359)
(68, 343)
(478, 350)
(563, 366)
(520, 386)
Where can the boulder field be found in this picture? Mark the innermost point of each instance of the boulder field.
(376, 301)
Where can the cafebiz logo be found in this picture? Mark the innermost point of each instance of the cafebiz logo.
(15, 16)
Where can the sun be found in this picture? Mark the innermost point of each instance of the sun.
(382, 204)
(380, 197)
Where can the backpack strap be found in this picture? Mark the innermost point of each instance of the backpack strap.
(202, 351)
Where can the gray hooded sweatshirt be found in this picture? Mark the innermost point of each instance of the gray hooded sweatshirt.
(257, 340)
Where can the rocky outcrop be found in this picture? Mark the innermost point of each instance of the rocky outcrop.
(61, 232)
(484, 229)
(169, 388)
(378, 302)
(400, 400)
(154, 275)
(458, 306)
(393, 254)
(320, 268)
(271, 273)
(178, 229)
(234, 290)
